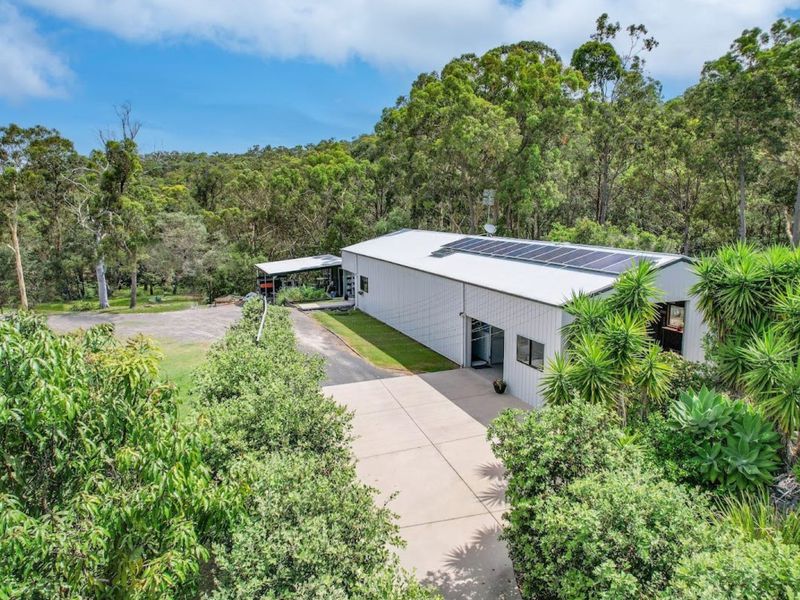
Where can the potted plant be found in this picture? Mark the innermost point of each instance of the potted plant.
(499, 385)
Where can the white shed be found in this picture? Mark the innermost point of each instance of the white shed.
(497, 303)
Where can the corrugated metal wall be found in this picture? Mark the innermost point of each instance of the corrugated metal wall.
(675, 281)
(423, 306)
(516, 316)
(435, 311)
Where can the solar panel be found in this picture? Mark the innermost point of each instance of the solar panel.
(505, 248)
(573, 254)
(520, 250)
(624, 265)
(580, 261)
(607, 261)
(551, 254)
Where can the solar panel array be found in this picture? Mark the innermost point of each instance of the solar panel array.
(605, 261)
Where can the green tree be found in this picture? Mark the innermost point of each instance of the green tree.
(32, 162)
(104, 490)
(619, 99)
(743, 109)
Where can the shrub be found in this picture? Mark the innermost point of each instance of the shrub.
(265, 397)
(104, 492)
(303, 293)
(613, 534)
(739, 570)
(82, 306)
(308, 532)
(306, 527)
(668, 450)
(734, 445)
(547, 449)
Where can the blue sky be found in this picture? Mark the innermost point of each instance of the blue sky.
(289, 72)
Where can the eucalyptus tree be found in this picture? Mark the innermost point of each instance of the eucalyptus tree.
(619, 98)
(532, 86)
(32, 162)
(744, 111)
(103, 186)
(677, 162)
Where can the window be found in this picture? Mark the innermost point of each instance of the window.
(530, 353)
(677, 317)
(363, 284)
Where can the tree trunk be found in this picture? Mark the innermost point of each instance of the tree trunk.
(605, 192)
(175, 285)
(134, 282)
(796, 223)
(102, 286)
(742, 203)
(23, 293)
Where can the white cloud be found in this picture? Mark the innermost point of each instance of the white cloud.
(28, 68)
(422, 34)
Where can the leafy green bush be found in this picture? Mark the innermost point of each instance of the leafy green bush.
(302, 293)
(306, 528)
(547, 449)
(82, 306)
(104, 492)
(668, 450)
(266, 397)
(739, 570)
(613, 534)
(734, 445)
(308, 532)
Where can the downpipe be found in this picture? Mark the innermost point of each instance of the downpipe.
(263, 318)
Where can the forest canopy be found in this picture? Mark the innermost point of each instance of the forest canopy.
(585, 150)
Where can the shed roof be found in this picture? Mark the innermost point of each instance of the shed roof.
(298, 265)
(546, 283)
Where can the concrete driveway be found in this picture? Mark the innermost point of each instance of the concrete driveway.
(424, 438)
(342, 365)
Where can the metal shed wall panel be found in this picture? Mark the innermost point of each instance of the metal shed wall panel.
(423, 306)
(349, 261)
(675, 280)
(516, 316)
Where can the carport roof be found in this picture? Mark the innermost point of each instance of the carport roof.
(548, 284)
(298, 265)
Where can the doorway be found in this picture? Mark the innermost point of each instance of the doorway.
(487, 348)
(667, 328)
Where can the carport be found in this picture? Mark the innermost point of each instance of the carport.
(272, 276)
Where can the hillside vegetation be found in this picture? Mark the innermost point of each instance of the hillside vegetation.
(580, 148)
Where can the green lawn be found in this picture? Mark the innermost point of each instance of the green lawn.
(178, 366)
(380, 344)
(120, 300)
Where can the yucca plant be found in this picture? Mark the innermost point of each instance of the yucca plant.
(556, 386)
(588, 313)
(780, 266)
(624, 336)
(593, 373)
(765, 357)
(635, 291)
(783, 404)
(744, 289)
(652, 376)
(787, 310)
(709, 275)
